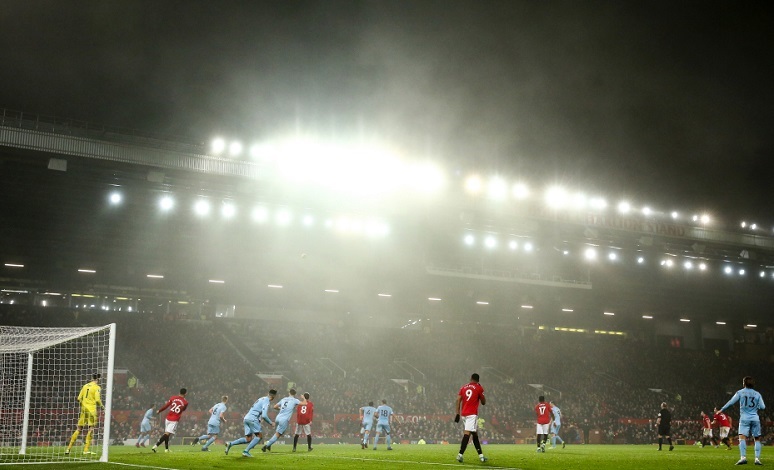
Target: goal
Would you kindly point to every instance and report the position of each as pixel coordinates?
(42, 371)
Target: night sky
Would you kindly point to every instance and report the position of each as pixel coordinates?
(669, 103)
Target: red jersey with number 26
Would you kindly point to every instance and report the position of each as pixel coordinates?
(543, 412)
(176, 405)
(305, 413)
(471, 394)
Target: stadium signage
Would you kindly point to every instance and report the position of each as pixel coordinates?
(635, 225)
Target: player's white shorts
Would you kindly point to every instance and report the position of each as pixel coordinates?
(213, 428)
(252, 426)
(707, 432)
(382, 428)
(305, 429)
(170, 426)
(724, 430)
(542, 428)
(145, 426)
(471, 423)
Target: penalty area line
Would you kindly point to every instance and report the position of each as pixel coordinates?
(403, 462)
(141, 466)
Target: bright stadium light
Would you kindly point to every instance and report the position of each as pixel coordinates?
(228, 210)
(567, 310)
(675, 215)
(528, 247)
(469, 239)
(648, 317)
(624, 207)
(235, 149)
(685, 320)
(695, 218)
(490, 242)
(308, 220)
(14, 265)
(260, 214)
(598, 203)
(742, 272)
(556, 197)
(497, 189)
(590, 254)
(728, 270)
(527, 307)
(640, 260)
(762, 274)
(513, 244)
(753, 226)
(669, 263)
(473, 184)
(520, 191)
(646, 211)
(609, 314)
(218, 145)
(482, 302)
(434, 299)
(202, 207)
(702, 266)
(154, 276)
(612, 256)
(744, 224)
(705, 219)
(115, 198)
(720, 323)
(166, 203)
(688, 265)
(579, 201)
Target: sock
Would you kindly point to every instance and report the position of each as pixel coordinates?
(87, 441)
(272, 440)
(464, 444)
(166, 441)
(743, 448)
(669, 440)
(476, 443)
(557, 438)
(553, 441)
(241, 440)
(309, 441)
(757, 449)
(660, 441)
(252, 444)
(389, 440)
(202, 437)
(209, 441)
(73, 438)
(376, 439)
(365, 439)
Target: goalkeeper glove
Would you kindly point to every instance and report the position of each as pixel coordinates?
(457, 418)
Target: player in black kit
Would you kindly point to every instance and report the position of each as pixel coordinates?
(664, 422)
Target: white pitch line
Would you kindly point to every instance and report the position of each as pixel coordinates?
(403, 462)
(141, 466)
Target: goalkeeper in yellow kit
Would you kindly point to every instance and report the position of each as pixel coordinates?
(89, 398)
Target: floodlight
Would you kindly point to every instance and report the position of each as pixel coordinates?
(702, 266)
(235, 149)
(482, 302)
(565, 252)
(332, 291)
(685, 320)
(728, 270)
(202, 207)
(688, 265)
(753, 226)
(705, 219)
(610, 314)
(624, 207)
(646, 211)
(612, 256)
(743, 224)
(166, 203)
(647, 317)
(741, 272)
(763, 274)
(695, 218)
(720, 323)
(497, 189)
(384, 295)
(434, 299)
(260, 214)
(490, 242)
(14, 265)
(669, 263)
(274, 286)
(751, 325)
(567, 310)
(469, 239)
(426, 178)
(526, 306)
(556, 197)
(218, 145)
(590, 254)
(228, 210)
(598, 203)
(520, 191)
(513, 244)
(154, 276)
(86, 271)
(675, 215)
(579, 201)
(115, 197)
(217, 281)
(308, 220)
(528, 247)
(640, 260)
(473, 184)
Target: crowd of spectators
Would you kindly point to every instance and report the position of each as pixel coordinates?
(608, 387)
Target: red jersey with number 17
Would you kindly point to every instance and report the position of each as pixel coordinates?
(543, 412)
(305, 413)
(471, 394)
(176, 404)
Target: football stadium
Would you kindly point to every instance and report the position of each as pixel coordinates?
(386, 235)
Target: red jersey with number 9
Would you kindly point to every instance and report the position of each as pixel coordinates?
(471, 394)
(176, 405)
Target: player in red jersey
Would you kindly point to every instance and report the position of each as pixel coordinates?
(544, 415)
(467, 406)
(304, 416)
(724, 422)
(176, 404)
(706, 430)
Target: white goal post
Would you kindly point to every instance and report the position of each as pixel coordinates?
(42, 372)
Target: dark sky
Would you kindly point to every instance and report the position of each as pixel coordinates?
(669, 103)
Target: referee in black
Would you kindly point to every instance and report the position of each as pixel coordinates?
(664, 422)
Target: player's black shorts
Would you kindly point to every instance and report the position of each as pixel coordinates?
(663, 431)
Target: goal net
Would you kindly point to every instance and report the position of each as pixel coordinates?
(42, 372)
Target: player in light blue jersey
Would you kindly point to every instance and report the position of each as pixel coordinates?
(383, 422)
(287, 407)
(213, 425)
(367, 414)
(750, 401)
(252, 421)
(145, 426)
(556, 425)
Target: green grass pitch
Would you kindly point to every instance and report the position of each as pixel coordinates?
(595, 457)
